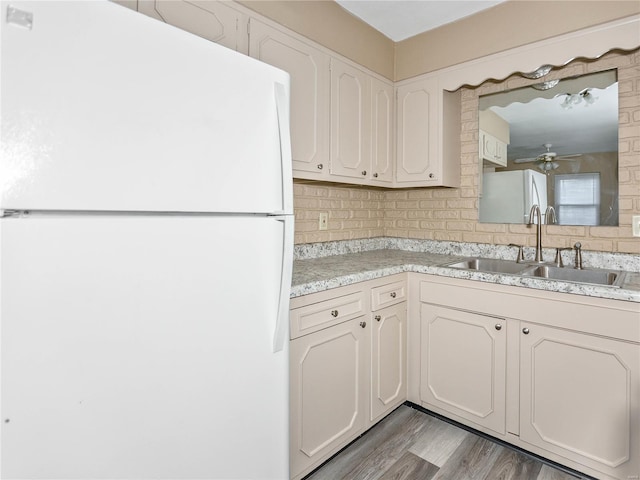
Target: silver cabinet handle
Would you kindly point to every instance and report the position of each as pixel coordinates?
(393, 294)
(525, 331)
(432, 175)
(364, 173)
(363, 324)
(334, 313)
(378, 318)
(375, 175)
(319, 166)
(498, 326)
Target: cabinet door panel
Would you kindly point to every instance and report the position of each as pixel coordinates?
(388, 360)
(463, 364)
(214, 21)
(417, 132)
(383, 113)
(309, 71)
(328, 391)
(350, 121)
(580, 397)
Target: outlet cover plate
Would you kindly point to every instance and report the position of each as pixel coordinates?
(635, 223)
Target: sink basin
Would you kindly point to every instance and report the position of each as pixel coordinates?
(597, 277)
(492, 265)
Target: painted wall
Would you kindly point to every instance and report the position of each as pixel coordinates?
(328, 24)
(507, 25)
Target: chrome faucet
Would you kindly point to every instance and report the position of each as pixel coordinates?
(535, 210)
(550, 215)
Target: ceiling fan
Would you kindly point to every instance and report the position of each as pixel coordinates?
(547, 160)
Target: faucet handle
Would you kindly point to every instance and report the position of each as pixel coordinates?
(558, 260)
(520, 257)
(578, 248)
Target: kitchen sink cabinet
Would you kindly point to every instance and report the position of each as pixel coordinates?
(552, 373)
(463, 364)
(347, 366)
(215, 21)
(579, 397)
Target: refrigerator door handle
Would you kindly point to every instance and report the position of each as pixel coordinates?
(282, 320)
(282, 108)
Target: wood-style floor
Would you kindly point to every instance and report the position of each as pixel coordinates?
(412, 445)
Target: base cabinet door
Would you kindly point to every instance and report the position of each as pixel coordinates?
(579, 397)
(388, 360)
(328, 394)
(463, 365)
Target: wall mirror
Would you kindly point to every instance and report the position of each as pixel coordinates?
(554, 144)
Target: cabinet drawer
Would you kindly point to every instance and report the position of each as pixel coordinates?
(314, 317)
(388, 294)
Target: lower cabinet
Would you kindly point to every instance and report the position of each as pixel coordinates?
(348, 362)
(579, 398)
(555, 374)
(328, 394)
(463, 364)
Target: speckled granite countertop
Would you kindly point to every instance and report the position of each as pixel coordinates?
(315, 272)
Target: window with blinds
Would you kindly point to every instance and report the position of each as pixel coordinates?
(578, 198)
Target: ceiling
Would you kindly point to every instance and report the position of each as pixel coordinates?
(401, 19)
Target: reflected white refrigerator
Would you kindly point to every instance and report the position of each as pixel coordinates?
(507, 197)
(146, 239)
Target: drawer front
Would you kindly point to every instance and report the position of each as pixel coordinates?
(314, 317)
(389, 294)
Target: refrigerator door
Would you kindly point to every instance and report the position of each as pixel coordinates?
(535, 192)
(503, 198)
(106, 109)
(137, 347)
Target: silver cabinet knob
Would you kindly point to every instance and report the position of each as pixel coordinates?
(498, 326)
(364, 173)
(319, 166)
(525, 331)
(378, 318)
(393, 294)
(334, 313)
(363, 324)
(432, 175)
(375, 175)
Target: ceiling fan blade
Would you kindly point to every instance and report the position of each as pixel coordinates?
(526, 160)
(573, 155)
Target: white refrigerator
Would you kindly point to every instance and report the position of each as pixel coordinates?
(146, 237)
(507, 197)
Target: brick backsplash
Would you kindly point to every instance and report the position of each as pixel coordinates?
(450, 214)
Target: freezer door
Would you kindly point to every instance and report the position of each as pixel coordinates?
(142, 348)
(106, 109)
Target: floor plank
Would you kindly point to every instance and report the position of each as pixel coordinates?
(410, 467)
(412, 445)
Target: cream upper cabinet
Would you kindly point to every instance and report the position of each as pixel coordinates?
(382, 131)
(579, 397)
(463, 364)
(492, 150)
(350, 121)
(215, 21)
(310, 86)
(417, 131)
(428, 134)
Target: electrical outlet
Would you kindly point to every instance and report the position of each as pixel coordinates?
(635, 225)
(323, 221)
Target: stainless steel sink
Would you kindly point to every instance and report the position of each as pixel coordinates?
(597, 277)
(611, 278)
(492, 265)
